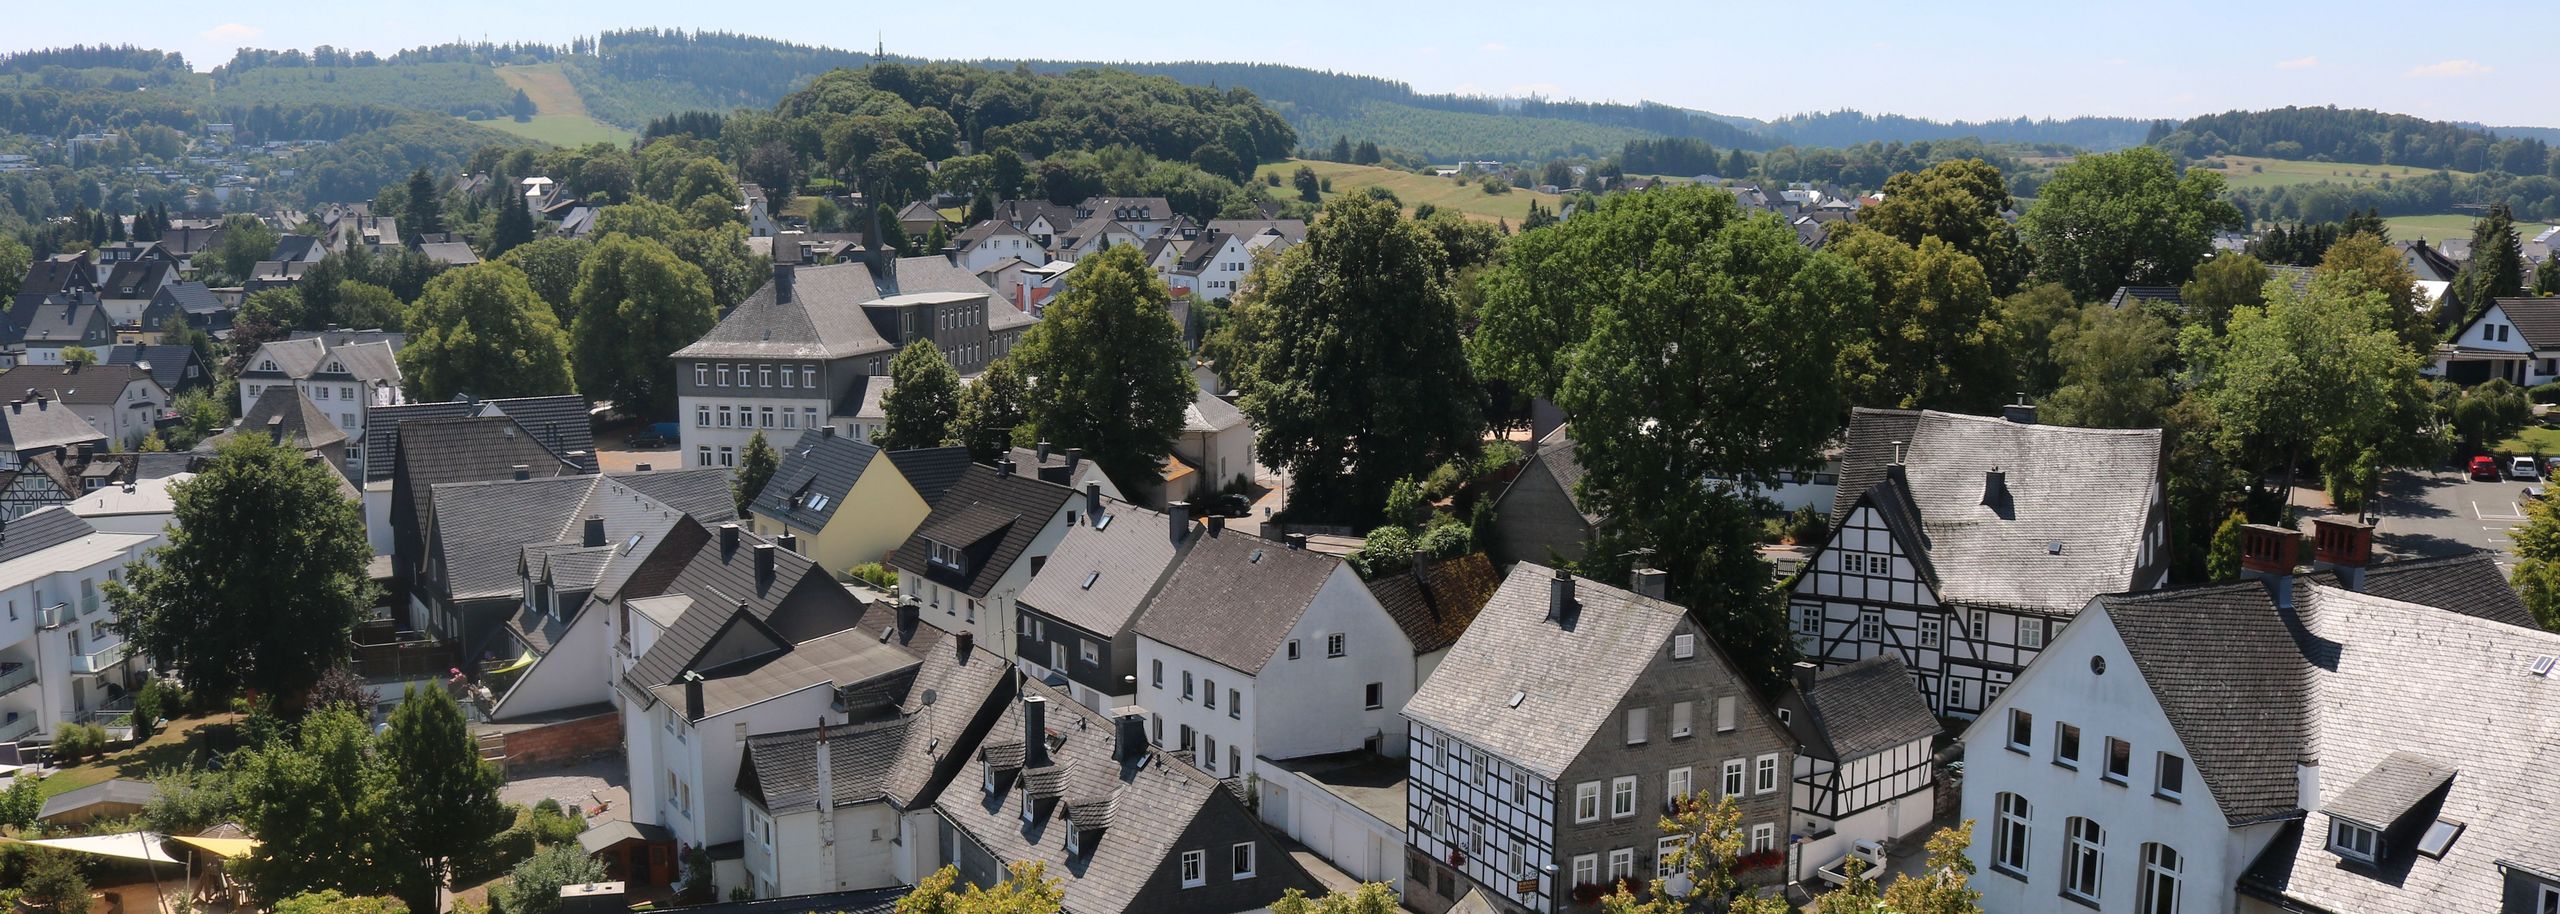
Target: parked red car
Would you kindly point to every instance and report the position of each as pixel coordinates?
(2484, 467)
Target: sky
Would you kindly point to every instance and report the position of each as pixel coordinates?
(1953, 59)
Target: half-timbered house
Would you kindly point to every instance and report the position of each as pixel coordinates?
(1964, 543)
(1863, 757)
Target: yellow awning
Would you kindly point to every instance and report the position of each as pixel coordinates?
(523, 660)
(228, 848)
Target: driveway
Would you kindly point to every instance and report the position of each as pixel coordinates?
(2442, 511)
(586, 785)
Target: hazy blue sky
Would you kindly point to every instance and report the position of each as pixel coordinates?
(1945, 60)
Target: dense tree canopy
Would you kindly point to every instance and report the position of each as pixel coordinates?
(637, 303)
(1113, 377)
(923, 399)
(2124, 218)
(1960, 203)
(483, 331)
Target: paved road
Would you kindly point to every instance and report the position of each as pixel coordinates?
(2435, 512)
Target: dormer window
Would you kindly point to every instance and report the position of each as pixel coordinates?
(337, 368)
(267, 365)
(945, 556)
(2354, 841)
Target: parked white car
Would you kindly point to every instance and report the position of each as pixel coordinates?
(2524, 468)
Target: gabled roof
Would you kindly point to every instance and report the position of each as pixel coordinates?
(1021, 213)
(117, 791)
(815, 475)
(1435, 604)
(950, 692)
(1556, 453)
(40, 530)
(304, 426)
(780, 770)
(167, 364)
(1207, 413)
(450, 253)
(725, 592)
(1290, 230)
(840, 660)
(2144, 295)
(1236, 597)
(932, 471)
(57, 318)
(1534, 691)
(137, 278)
(438, 451)
(484, 527)
(1125, 209)
(559, 423)
(2222, 662)
(44, 424)
(78, 385)
(1863, 708)
(2468, 583)
(825, 317)
(980, 505)
(2536, 319)
(1133, 814)
(1105, 568)
(2067, 522)
(192, 297)
(2390, 789)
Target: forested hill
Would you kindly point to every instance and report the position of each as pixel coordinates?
(2359, 135)
(1849, 128)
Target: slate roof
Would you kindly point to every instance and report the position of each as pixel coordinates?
(2468, 583)
(815, 475)
(1435, 607)
(28, 426)
(2089, 492)
(439, 451)
(2144, 295)
(559, 422)
(1863, 708)
(137, 278)
(1292, 230)
(449, 253)
(40, 530)
(2372, 662)
(1101, 576)
(2536, 319)
(780, 770)
(168, 364)
(1146, 806)
(1556, 453)
(1125, 209)
(932, 471)
(718, 580)
(83, 385)
(303, 424)
(1021, 213)
(842, 659)
(57, 318)
(483, 527)
(825, 317)
(1236, 597)
(2222, 662)
(1207, 413)
(60, 273)
(1569, 677)
(2390, 790)
(981, 504)
(194, 297)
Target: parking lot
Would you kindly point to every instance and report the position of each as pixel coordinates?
(2442, 511)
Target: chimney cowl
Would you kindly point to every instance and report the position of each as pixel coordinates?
(522, 472)
(1296, 541)
(2021, 412)
(1178, 520)
(1004, 465)
(1042, 449)
(787, 540)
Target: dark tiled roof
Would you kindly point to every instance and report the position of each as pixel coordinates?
(83, 385)
(2468, 583)
(1435, 607)
(815, 475)
(1151, 802)
(1864, 708)
(301, 420)
(825, 317)
(560, 423)
(2536, 319)
(839, 660)
(718, 579)
(168, 363)
(1236, 597)
(41, 530)
(932, 471)
(1568, 678)
(193, 297)
(1100, 577)
(1557, 453)
(439, 451)
(136, 278)
(27, 426)
(2222, 662)
(780, 771)
(982, 503)
(60, 273)
(57, 318)
(2388, 791)
(483, 528)
(2143, 295)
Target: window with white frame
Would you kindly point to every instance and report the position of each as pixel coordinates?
(2066, 744)
(2119, 761)
(1677, 785)
(2084, 854)
(1209, 696)
(764, 376)
(1981, 625)
(1732, 778)
(1240, 860)
(1725, 708)
(1870, 626)
(1188, 687)
(1853, 562)
(2547, 900)
(1682, 715)
(1765, 776)
(1586, 869)
(1333, 645)
(701, 374)
(1764, 837)
(1235, 704)
(2158, 893)
(1195, 869)
(2009, 832)
(809, 376)
(1293, 649)
(2353, 841)
(1932, 632)
(1155, 673)
(1622, 863)
(1684, 646)
(1209, 753)
(2031, 633)
(2022, 730)
(722, 372)
(1622, 797)
(1664, 850)
(1809, 620)
(2170, 783)
(1586, 801)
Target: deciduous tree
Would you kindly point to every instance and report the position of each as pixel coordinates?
(2124, 218)
(483, 331)
(923, 399)
(1358, 376)
(2362, 262)
(2114, 370)
(318, 807)
(441, 797)
(994, 413)
(1025, 889)
(755, 468)
(637, 303)
(1959, 202)
(550, 266)
(261, 581)
(2318, 375)
(2222, 285)
(1113, 377)
(1937, 341)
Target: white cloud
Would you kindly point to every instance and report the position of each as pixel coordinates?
(2455, 67)
(2298, 63)
(1495, 47)
(233, 31)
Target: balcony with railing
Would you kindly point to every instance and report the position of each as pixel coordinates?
(98, 661)
(18, 725)
(15, 675)
(52, 617)
(88, 604)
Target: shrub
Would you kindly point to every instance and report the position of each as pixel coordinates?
(1408, 504)
(2545, 393)
(1493, 185)
(549, 825)
(509, 848)
(331, 902)
(1389, 548)
(1498, 456)
(189, 800)
(1446, 540)
(533, 886)
(876, 575)
(1808, 527)
(151, 704)
(22, 802)
(73, 742)
(53, 881)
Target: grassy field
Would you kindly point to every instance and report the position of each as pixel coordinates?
(1415, 190)
(561, 117)
(2446, 225)
(2248, 172)
(2539, 440)
(184, 742)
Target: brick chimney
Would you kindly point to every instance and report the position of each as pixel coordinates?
(2268, 554)
(2344, 546)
